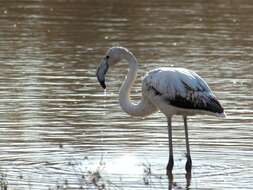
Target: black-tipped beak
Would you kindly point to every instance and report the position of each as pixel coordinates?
(101, 72)
(102, 83)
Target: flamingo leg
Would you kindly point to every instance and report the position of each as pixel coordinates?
(171, 160)
(188, 165)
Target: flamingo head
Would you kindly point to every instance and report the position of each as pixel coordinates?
(113, 56)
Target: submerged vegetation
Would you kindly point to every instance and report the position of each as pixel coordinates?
(3, 182)
(87, 178)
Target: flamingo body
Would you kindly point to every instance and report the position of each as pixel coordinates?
(173, 91)
(179, 91)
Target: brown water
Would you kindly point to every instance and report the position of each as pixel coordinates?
(58, 129)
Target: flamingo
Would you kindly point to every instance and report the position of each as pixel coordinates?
(173, 91)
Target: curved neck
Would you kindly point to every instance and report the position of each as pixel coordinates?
(144, 107)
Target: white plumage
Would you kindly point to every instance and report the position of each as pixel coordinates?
(179, 91)
(173, 91)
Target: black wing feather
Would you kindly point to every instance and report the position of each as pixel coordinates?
(211, 104)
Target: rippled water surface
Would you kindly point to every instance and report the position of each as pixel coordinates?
(60, 130)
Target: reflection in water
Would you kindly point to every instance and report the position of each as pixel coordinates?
(55, 120)
(125, 164)
(174, 185)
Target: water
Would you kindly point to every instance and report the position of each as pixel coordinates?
(60, 130)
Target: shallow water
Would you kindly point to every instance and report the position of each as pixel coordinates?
(59, 129)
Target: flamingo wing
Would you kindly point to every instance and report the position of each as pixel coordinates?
(182, 88)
